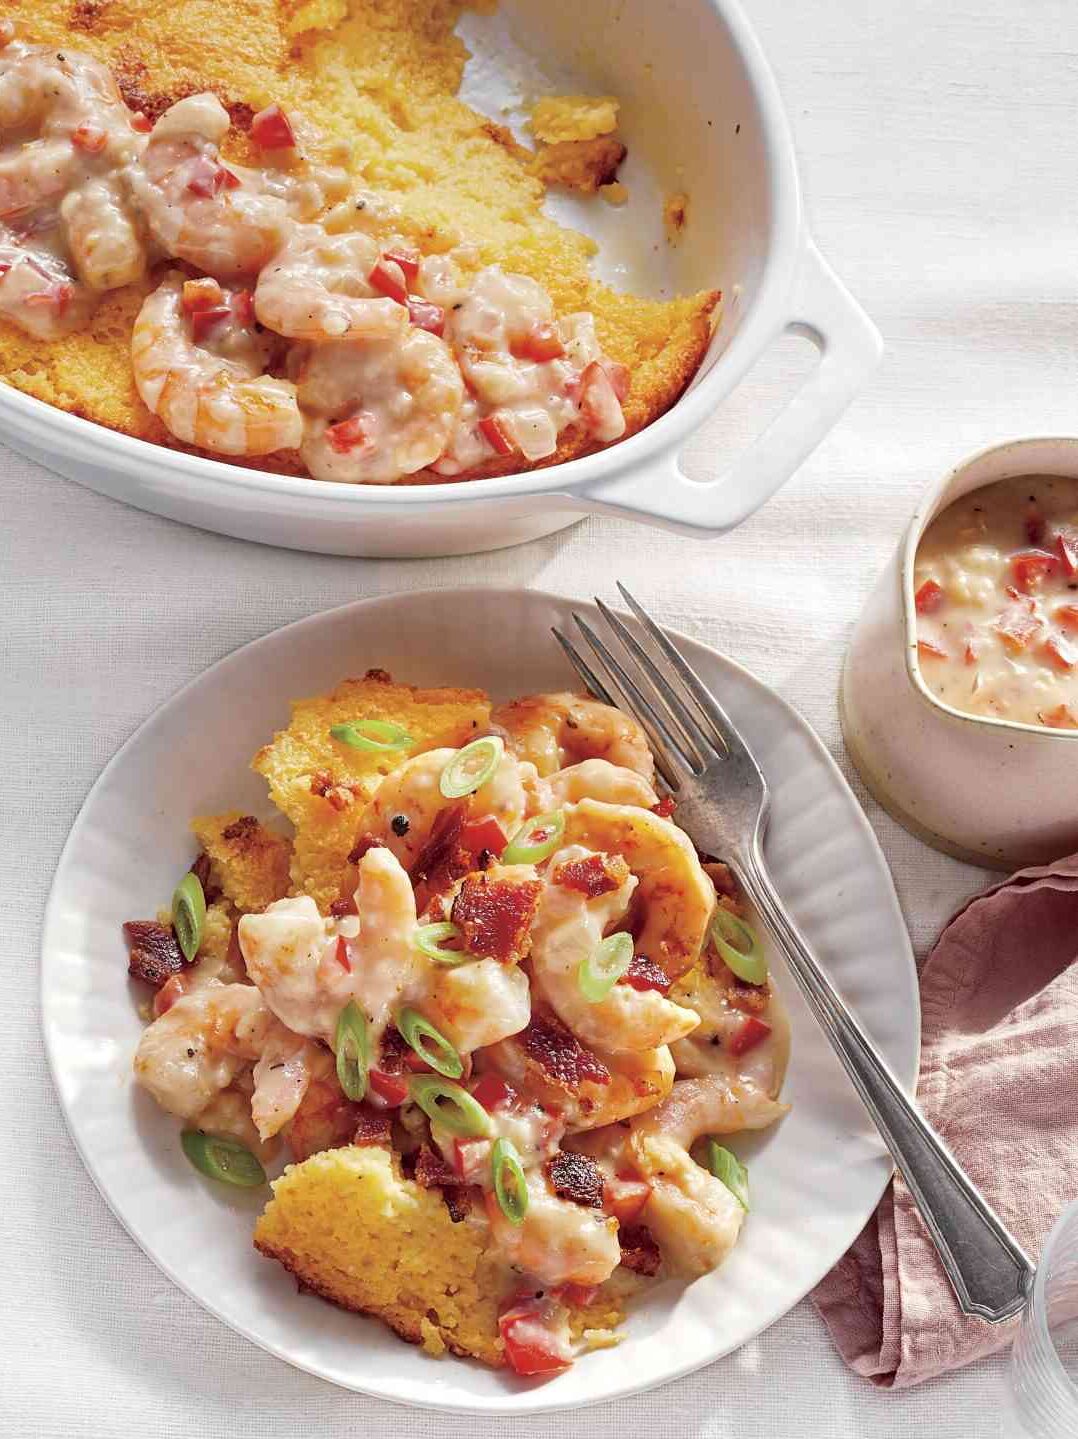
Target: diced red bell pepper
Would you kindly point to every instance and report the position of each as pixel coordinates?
(89, 138)
(467, 1156)
(243, 307)
(416, 1063)
(1067, 616)
(1067, 548)
(1060, 653)
(579, 1296)
(625, 1197)
(1019, 625)
(56, 296)
(1061, 717)
(141, 122)
(929, 650)
(752, 1032)
(531, 1346)
(347, 435)
(407, 259)
(928, 598)
(172, 990)
(425, 315)
(342, 954)
(391, 1088)
(203, 321)
(492, 1092)
(484, 833)
(1031, 568)
(271, 129)
(542, 342)
(203, 294)
(666, 806)
(495, 434)
(387, 278)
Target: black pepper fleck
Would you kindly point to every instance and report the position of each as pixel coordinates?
(400, 825)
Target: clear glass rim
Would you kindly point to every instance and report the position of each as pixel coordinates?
(1039, 1315)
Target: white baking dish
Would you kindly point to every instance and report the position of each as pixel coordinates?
(700, 112)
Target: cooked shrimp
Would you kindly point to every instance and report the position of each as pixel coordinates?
(200, 1045)
(478, 1003)
(102, 236)
(378, 411)
(596, 779)
(559, 1242)
(567, 931)
(316, 288)
(230, 1113)
(295, 961)
(694, 1217)
(38, 294)
(413, 791)
(217, 217)
(555, 730)
(675, 897)
(218, 401)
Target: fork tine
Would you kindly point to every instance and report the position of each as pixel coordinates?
(638, 704)
(697, 742)
(722, 727)
(601, 692)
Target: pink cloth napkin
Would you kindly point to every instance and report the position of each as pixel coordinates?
(999, 1081)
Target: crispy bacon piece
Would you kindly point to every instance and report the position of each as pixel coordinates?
(666, 807)
(360, 848)
(340, 907)
(496, 916)
(576, 1177)
(644, 973)
(201, 870)
(373, 1126)
(639, 1252)
(443, 859)
(340, 796)
(240, 828)
(155, 955)
(560, 1055)
(432, 1172)
(593, 875)
(751, 998)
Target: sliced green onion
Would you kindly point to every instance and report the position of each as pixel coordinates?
(353, 1053)
(223, 1159)
(739, 946)
(429, 939)
(510, 1186)
(376, 735)
(189, 914)
(536, 840)
(598, 974)
(730, 1170)
(471, 767)
(430, 1044)
(450, 1106)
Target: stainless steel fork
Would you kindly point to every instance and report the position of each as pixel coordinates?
(722, 804)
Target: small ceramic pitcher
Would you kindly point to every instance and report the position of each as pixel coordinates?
(989, 791)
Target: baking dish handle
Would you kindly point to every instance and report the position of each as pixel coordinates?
(821, 310)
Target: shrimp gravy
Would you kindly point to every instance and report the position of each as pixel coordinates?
(996, 591)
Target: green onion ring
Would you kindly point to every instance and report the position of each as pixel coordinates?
(510, 1185)
(523, 848)
(471, 767)
(598, 974)
(450, 1106)
(739, 946)
(353, 1056)
(189, 914)
(429, 1043)
(221, 1158)
(730, 1170)
(429, 939)
(375, 735)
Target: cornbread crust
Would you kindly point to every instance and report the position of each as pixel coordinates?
(352, 1229)
(248, 862)
(383, 75)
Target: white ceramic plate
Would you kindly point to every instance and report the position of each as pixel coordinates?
(815, 1178)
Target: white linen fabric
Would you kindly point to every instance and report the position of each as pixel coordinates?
(939, 154)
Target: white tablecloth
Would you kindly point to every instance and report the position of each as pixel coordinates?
(939, 153)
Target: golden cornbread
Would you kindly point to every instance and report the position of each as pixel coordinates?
(382, 75)
(248, 862)
(573, 117)
(323, 785)
(351, 1228)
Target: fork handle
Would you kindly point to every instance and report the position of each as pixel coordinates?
(989, 1271)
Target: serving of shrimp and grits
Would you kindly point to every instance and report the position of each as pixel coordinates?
(284, 311)
(487, 1004)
